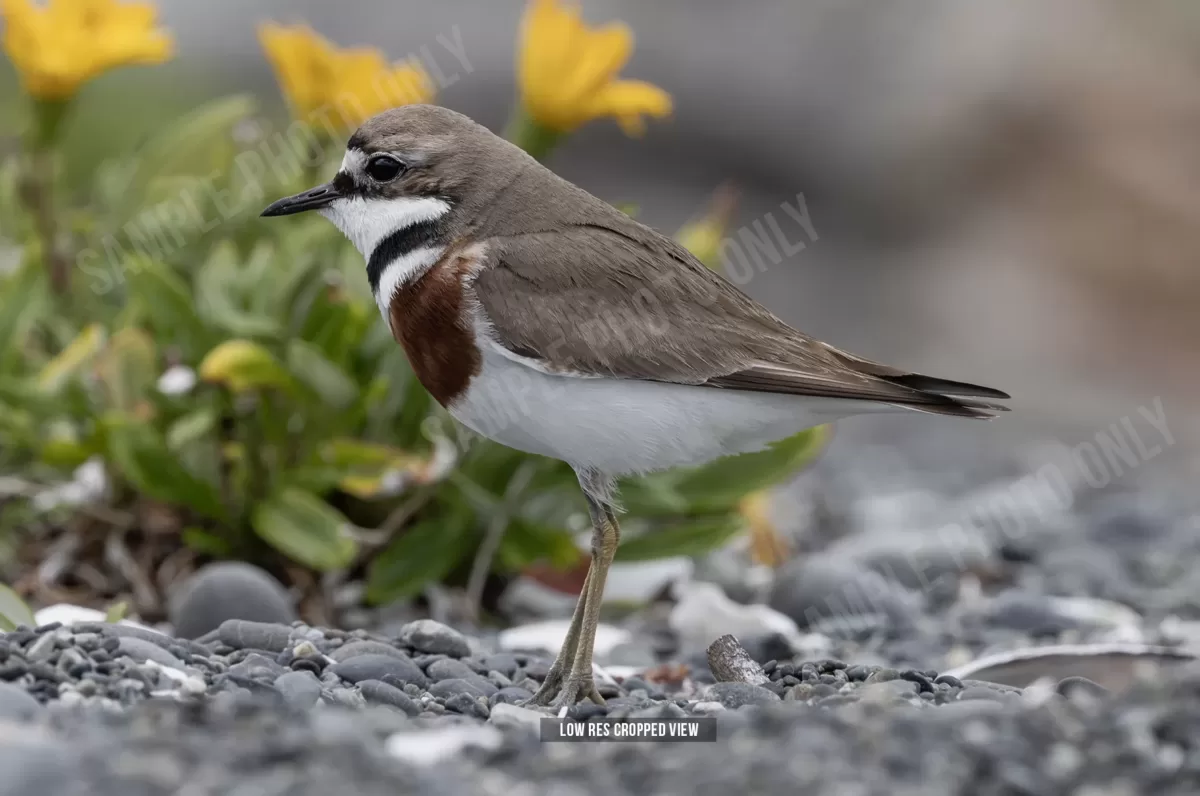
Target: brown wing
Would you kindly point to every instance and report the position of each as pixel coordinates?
(630, 304)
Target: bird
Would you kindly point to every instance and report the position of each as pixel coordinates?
(547, 320)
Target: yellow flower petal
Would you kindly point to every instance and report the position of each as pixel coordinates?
(629, 101)
(354, 83)
(58, 45)
(567, 71)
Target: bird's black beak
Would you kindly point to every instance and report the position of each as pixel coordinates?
(312, 199)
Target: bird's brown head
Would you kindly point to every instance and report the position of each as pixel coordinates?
(408, 165)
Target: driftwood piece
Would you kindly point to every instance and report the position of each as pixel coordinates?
(730, 663)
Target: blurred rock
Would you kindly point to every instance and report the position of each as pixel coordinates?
(703, 613)
(838, 597)
(548, 637)
(228, 590)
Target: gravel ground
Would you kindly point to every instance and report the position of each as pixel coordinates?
(266, 709)
(859, 700)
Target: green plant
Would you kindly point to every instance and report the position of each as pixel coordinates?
(235, 376)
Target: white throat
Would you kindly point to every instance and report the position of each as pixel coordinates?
(366, 222)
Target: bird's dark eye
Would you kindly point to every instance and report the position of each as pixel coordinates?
(384, 168)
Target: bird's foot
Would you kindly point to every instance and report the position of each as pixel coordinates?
(558, 691)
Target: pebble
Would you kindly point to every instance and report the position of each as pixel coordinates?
(228, 590)
(300, 690)
(141, 650)
(243, 634)
(258, 667)
(382, 693)
(735, 695)
(1070, 686)
(388, 668)
(467, 705)
(981, 692)
(455, 686)
(511, 696)
(429, 636)
(513, 716)
(16, 704)
(356, 648)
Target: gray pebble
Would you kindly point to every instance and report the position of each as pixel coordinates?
(982, 692)
(141, 650)
(1070, 686)
(43, 648)
(457, 670)
(257, 667)
(242, 634)
(427, 635)
(347, 697)
(734, 695)
(118, 631)
(883, 676)
(356, 648)
(382, 693)
(16, 704)
(390, 669)
(448, 668)
(228, 590)
(510, 696)
(453, 687)
(467, 706)
(300, 690)
(887, 690)
(503, 662)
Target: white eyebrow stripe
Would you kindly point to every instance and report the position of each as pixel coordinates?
(353, 161)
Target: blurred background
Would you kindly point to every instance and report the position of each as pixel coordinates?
(1006, 194)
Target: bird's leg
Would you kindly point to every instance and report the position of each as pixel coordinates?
(566, 654)
(577, 683)
(606, 535)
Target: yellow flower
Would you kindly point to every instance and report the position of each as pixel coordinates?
(355, 83)
(58, 45)
(767, 545)
(242, 366)
(703, 236)
(568, 72)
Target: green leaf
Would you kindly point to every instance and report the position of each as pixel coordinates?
(317, 479)
(116, 612)
(142, 457)
(242, 365)
(654, 495)
(128, 369)
(13, 610)
(687, 538)
(207, 543)
(168, 302)
(328, 381)
(219, 303)
(23, 300)
(185, 147)
(720, 485)
(528, 542)
(306, 529)
(190, 428)
(71, 360)
(424, 553)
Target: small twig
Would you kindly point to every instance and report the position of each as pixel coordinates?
(482, 564)
(117, 554)
(730, 663)
(35, 191)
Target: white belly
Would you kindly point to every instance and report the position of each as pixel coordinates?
(623, 426)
